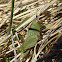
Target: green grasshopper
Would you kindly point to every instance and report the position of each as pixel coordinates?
(32, 36)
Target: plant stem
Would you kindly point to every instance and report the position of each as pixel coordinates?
(11, 16)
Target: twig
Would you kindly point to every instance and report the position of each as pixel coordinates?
(15, 57)
(12, 50)
(27, 12)
(5, 39)
(4, 21)
(13, 44)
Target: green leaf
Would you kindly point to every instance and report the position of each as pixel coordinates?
(20, 37)
(7, 60)
(15, 39)
(19, 19)
(25, 10)
(32, 36)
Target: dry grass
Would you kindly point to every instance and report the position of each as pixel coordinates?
(48, 14)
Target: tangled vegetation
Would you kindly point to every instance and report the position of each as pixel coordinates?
(31, 31)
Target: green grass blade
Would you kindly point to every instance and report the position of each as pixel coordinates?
(11, 16)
